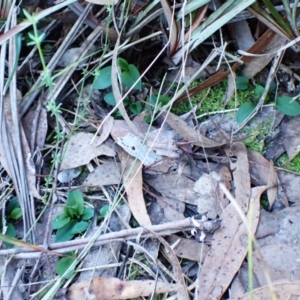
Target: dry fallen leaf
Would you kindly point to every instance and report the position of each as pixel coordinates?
(189, 133)
(228, 250)
(240, 169)
(100, 288)
(107, 173)
(280, 291)
(206, 187)
(79, 150)
(133, 144)
(173, 209)
(263, 173)
(133, 183)
(174, 186)
(106, 130)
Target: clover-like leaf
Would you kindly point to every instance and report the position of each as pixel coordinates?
(60, 221)
(288, 106)
(103, 79)
(244, 111)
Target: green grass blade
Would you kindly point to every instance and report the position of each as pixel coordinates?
(283, 25)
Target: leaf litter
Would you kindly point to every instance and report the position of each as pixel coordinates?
(138, 175)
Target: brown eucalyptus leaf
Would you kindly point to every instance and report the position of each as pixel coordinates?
(241, 177)
(100, 288)
(228, 250)
(133, 183)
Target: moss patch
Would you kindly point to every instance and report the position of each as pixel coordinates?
(293, 165)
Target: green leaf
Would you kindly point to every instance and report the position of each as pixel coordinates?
(242, 83)
(110, 99)
(162, 100)
(103, 79)
(12, 204)
(129, 77)
(88, 213)
(136, 107)
(75, 200)
(64, 263)
(65, 233)
(80, 227)
(16, 213)
(288, 106)
(123, 64)
(244, 111)
(104, 211)
(11, 232)
(60, 221)
(259, 90)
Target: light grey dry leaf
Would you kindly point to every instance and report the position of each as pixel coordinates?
(79, 151)
(107, 173)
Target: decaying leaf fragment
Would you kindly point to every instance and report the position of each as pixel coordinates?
(101, 288)
(206, 187)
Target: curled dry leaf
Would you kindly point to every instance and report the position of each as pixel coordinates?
(80, 151)
(106, 130)
(113, 288)
(263, 173)
(133, 183)
(107, 173)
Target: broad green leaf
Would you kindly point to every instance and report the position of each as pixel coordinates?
(288, 106)
(110, 99)
(259, 90)
(12, 204)
(123, 64)
(16, 213)
(242, 83)
(11, 232)
(244, 111)
(80, 227)
(60, 221)
(129, 77)
(64, 263)
(103, 79)
(136, 107)
(75, 200)
(65, 233)
(88, 213)
(104, 210)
